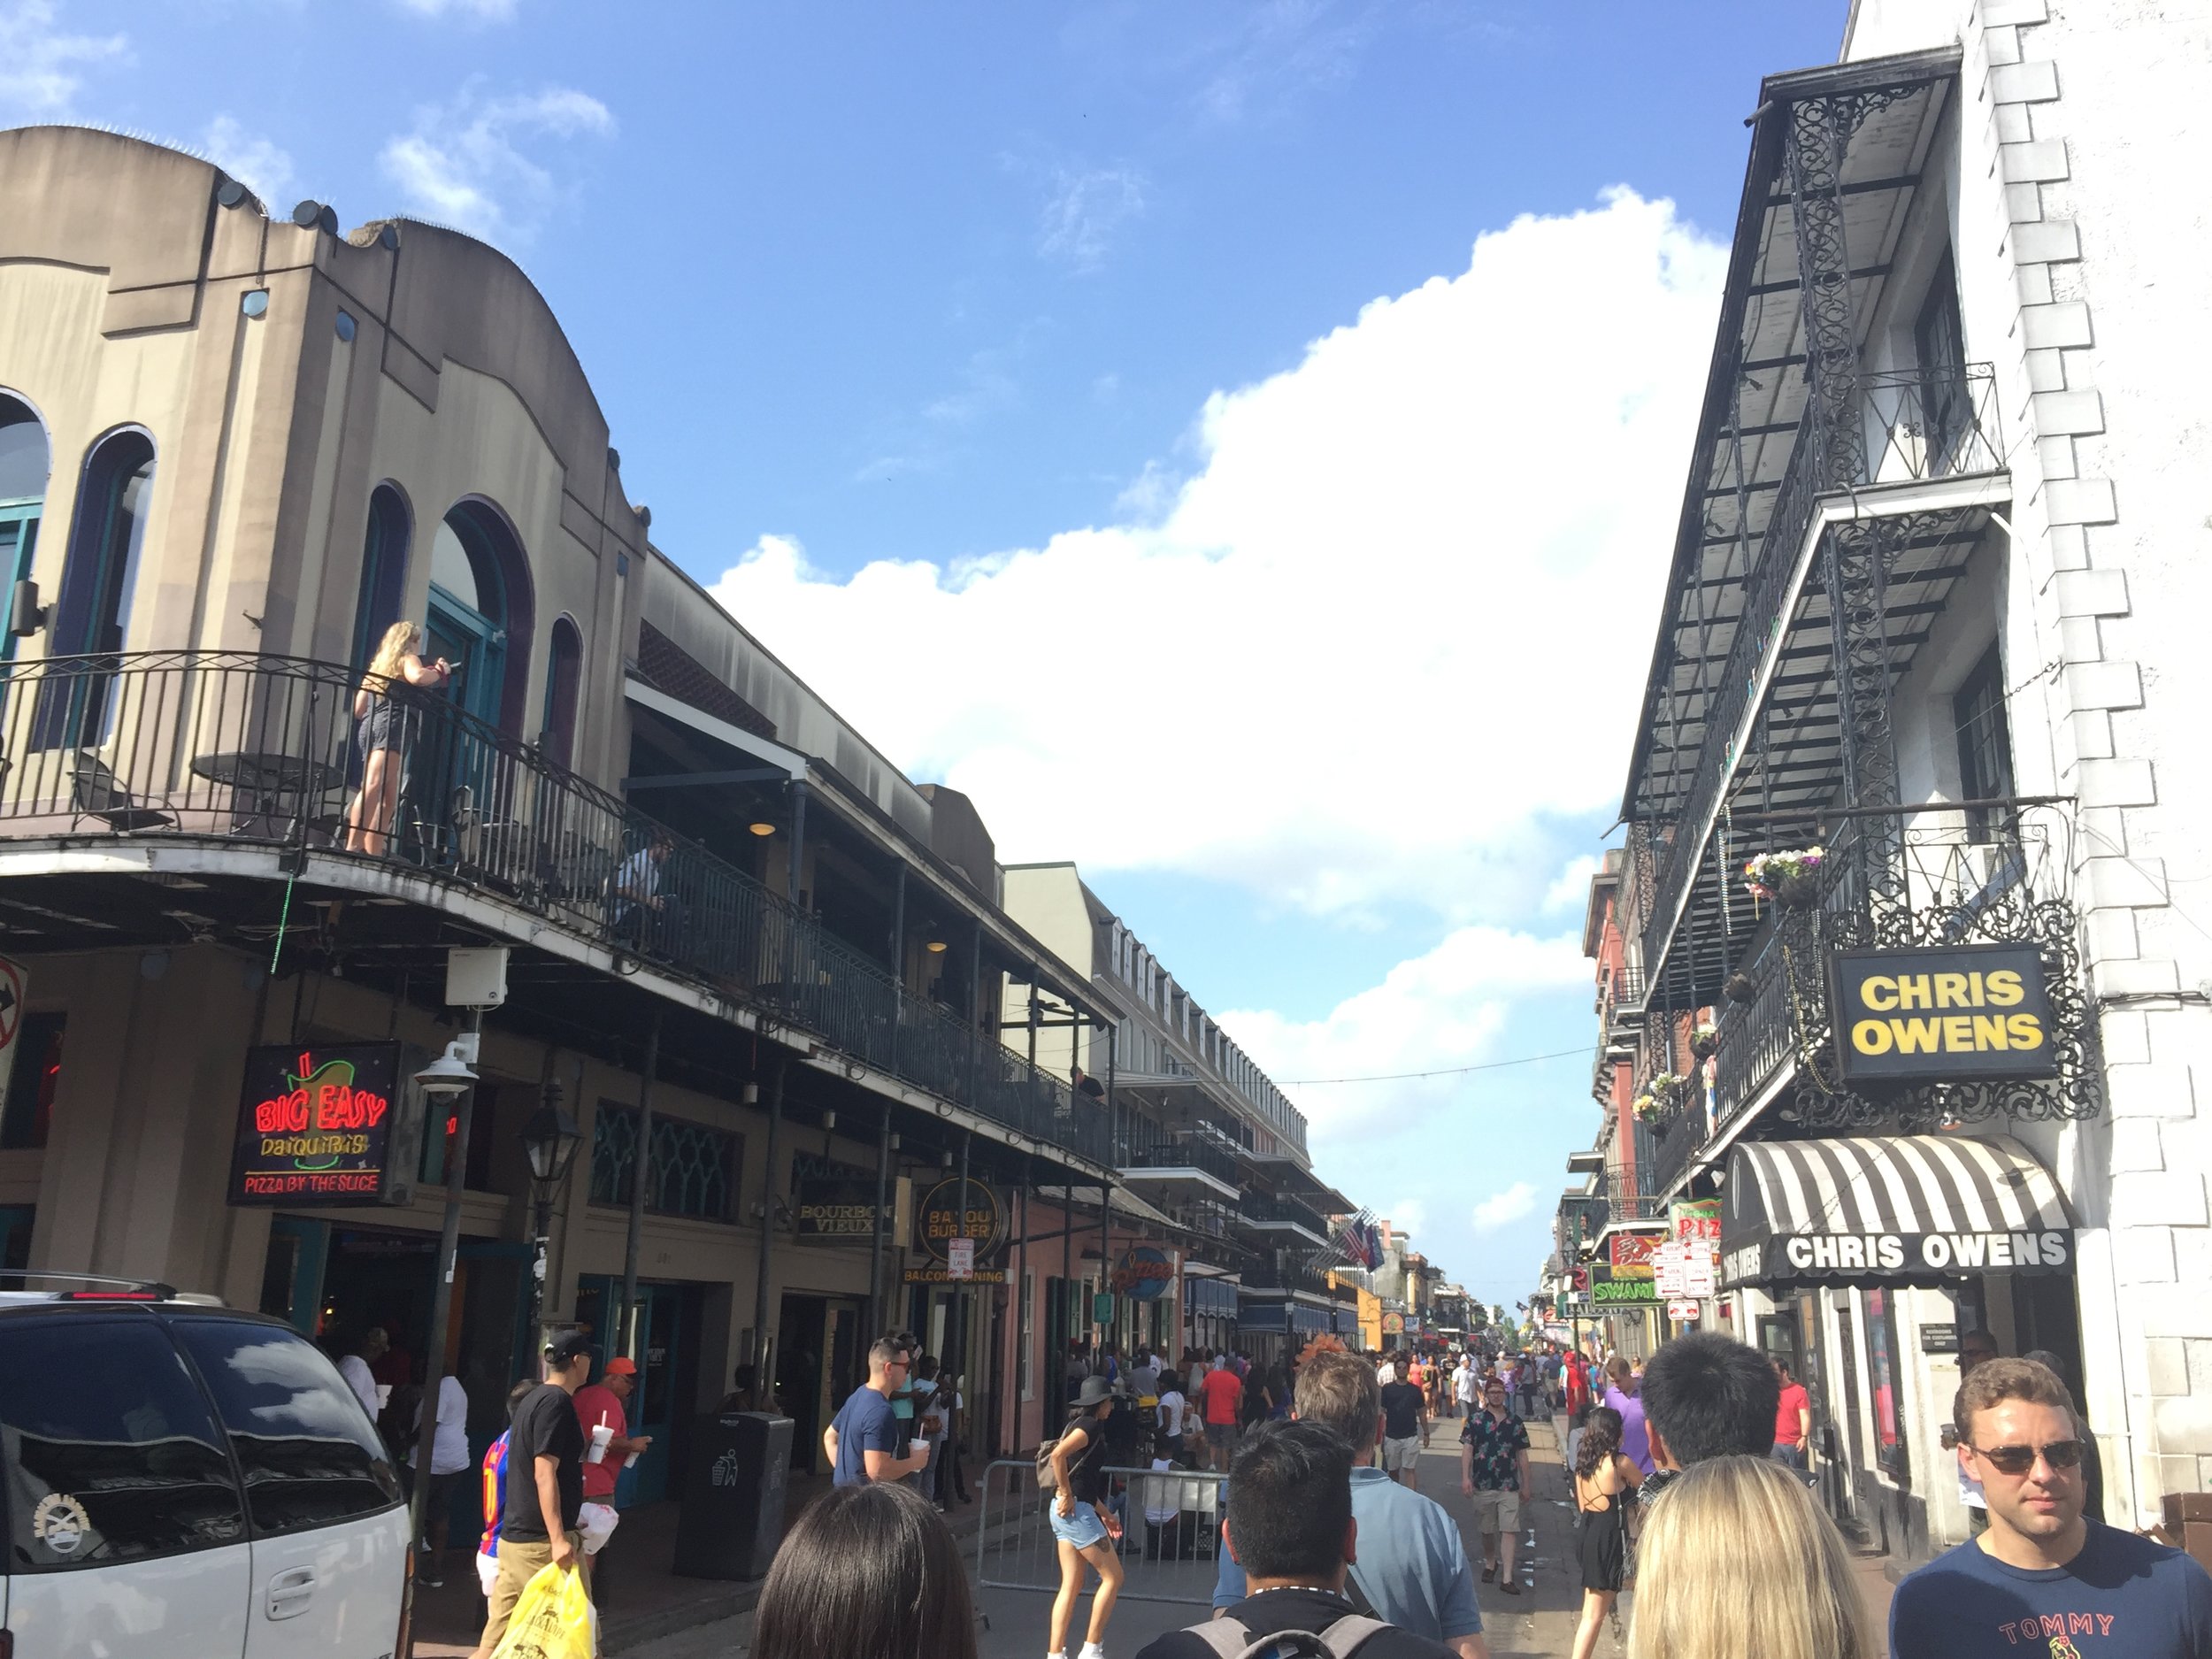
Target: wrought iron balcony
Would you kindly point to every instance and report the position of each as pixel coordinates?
(1918, 876)
(1265, 1212)
(249, 750)
(1916, 427)
(1187, 1153)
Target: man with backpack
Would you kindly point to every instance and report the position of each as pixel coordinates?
(1290, 1526)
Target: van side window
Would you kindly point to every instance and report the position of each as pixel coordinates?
(110, 1452)
(309, 1455)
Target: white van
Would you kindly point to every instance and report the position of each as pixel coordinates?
(186, 1480)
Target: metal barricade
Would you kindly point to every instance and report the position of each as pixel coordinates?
(1171, 1531)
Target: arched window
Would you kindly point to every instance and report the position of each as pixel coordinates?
(565, 667)
(384, 571)
(93, 608)
(480, 612)
(24, 459)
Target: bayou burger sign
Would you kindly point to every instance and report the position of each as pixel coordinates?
(1942, 1014)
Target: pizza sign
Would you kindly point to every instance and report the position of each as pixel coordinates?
(315, 1125)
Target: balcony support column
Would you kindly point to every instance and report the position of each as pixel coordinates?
(1854, 567)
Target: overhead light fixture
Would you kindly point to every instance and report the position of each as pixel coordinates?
(762, 829)
(447, 1075)
(936, 946)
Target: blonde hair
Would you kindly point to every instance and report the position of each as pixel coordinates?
(398, 641)
(1736, 1559)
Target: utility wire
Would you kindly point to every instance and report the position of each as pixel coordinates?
(1449, 1071)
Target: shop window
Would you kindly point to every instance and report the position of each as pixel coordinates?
(104, 1411)
(1985, 737)
(695, 1169)
(384, 571)
(309, 1456)
(564, 673)
(1885, 1375)
(27, 1118)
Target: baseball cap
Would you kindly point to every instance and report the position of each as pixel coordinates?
(621, 1365)
(564, 1349)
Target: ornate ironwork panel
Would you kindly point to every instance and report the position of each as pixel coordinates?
(1854, 567)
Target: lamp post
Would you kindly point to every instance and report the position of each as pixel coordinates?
(450, 1077)
(550, 1141)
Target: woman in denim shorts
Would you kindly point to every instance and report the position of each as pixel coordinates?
(1085, 1530)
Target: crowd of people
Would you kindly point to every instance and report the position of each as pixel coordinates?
(1688, 1477)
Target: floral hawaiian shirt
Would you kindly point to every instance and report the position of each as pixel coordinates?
(1495, 1441)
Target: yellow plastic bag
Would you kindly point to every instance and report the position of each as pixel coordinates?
(553, 1619)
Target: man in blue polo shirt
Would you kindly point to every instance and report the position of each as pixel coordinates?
(1412, 1567)
(863, 1442)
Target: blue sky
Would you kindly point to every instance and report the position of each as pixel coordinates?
(1222, 438)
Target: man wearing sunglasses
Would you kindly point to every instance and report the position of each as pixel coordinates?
(863, 1443)
(2044, 1579)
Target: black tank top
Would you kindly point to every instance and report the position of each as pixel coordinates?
(1086, 1476)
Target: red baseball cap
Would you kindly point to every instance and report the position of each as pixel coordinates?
(621, 1365)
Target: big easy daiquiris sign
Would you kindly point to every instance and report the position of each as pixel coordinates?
(317, 1124)
(1942, 1013)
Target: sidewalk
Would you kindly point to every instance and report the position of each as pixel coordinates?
(646, 1600)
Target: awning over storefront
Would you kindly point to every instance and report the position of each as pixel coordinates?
(1889, 1209)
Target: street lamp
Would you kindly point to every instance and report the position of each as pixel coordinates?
(550, 1140)
(449, 1074)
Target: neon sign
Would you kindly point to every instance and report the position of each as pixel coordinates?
(315, 1125)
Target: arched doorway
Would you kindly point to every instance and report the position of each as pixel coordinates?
(25, 459)
(467, 623)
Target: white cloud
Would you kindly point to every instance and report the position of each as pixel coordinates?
(1571, 889)
(465, 164)
(1084, 211)
(1409, 1215)
(1348, 659)
(474, 11)
(40, 64)
(1444, 1009)
(1500, 1209)
(265, 169)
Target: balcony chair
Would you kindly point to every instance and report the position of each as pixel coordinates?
(94, 792)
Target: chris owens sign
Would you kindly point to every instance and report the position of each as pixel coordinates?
(1846, 1255)
(315, 1125)
(1949, 1013)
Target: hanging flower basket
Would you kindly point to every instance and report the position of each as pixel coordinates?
(1648, 1109)
(1791, 879)
(1740, 987)
(1703, 1041)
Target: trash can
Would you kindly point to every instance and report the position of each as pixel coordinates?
(734, 1475)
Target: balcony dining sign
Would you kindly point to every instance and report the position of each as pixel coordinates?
(316, 1126)
(1942, 1014)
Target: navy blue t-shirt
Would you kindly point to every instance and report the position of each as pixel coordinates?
(865, 1424)
(2122, 1596)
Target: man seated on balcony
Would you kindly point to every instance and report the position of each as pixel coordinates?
(647, 915)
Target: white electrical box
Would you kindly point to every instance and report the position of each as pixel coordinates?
(476, 977)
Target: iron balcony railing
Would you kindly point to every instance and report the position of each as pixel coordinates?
(1920, 424)
(1187, 1154)
(1951, 876)
(1258, 1208)
(263, 750)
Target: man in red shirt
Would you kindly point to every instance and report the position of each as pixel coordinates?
(603, 1401)
(1793, 1419)
(1220, 1397)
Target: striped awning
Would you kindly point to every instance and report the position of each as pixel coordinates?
(1889, 1209)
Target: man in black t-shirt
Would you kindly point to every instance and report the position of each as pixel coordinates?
(1405, 1414)
(1289, 1525)
(545, 1484)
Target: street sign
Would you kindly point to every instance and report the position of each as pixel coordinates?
(1697, 1279)
(960, 1258)
(1671, 1270)
(1685, 1311)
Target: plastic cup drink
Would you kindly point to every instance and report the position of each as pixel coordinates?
(600, 1435)
(383, 1395)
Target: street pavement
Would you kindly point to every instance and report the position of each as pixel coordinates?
(1538, 1621)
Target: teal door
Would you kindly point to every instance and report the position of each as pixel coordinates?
(653, 1407)
(476, 648)
(292, 1277)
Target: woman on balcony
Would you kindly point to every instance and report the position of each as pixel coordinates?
(384, 727)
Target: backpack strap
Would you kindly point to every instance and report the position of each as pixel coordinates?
(1350, 1633)
(1224, 1635)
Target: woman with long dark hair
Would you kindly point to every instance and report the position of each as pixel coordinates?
(1605, 1486)
(869, 1572)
